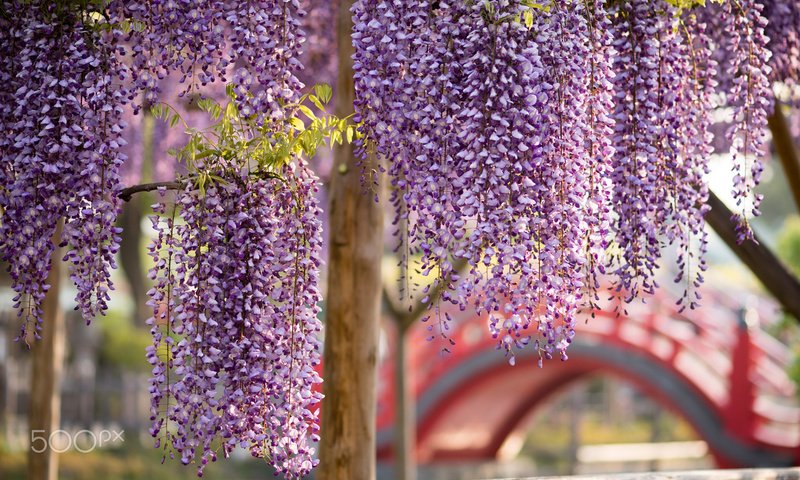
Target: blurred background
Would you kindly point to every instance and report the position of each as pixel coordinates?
(651, 390)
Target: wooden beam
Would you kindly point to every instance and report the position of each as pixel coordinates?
(786, 150)
(775, 277)
(405, 425)
(405, 422)
(352, 315)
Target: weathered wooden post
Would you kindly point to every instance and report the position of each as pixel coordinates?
(347, 449)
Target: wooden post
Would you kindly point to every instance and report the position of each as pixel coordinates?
(787, 151)
(44, 411)
(130, 255)
(577, 402)
(738, 414)
(405, 424)
(347, 449)
(130, 251)
(405, 405)
(777, 279)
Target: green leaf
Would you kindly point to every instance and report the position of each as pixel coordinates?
(324, 92)
(528, 19)
(307, 112)
(231, 111)
(206, 153)
(201, 183)
(315, 100)
(297, 124)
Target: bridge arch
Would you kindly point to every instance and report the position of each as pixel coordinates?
(663, 385)
(720, 375)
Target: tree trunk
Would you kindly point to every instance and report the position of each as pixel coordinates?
(347, 449)
(130, 256)
(130, 251)
(44, 412)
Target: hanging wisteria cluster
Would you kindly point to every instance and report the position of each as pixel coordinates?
(783, 31)
(255, 45)
(546, 144)
(61, 123)
(235, 320)
(235, 327)
(319, 53)
(237, 253)
(235, 302)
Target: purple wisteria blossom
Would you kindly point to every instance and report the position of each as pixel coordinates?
(237, 261)
(485, 124)
(551, 147)
(319, 57)
(750, 96)
(235, 311)
(61, 155)
(236, 334)
(783, 31)
(254, 45)
(548, 145)
(663, 79)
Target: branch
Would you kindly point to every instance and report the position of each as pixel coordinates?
(775, 277)
(127, 193)
(405, 319)
(787, 152)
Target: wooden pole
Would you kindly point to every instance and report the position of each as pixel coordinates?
(404, 415)
(130, 256)
(347, 448)
(786, 150)
(775, 277)
(405, 406)
(44, 410)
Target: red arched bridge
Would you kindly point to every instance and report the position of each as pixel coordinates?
(727, 379)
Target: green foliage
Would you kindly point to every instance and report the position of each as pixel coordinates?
(682, 5)
(123, 345)
(78, 5)
(256, 148)
(789, 243)
(93, 15)
(788, 249)
(532, 6)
